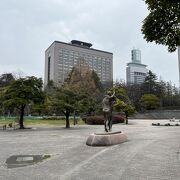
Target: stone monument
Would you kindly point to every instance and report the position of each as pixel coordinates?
(107, 138)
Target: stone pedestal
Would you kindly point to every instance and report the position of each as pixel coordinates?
(106, 139)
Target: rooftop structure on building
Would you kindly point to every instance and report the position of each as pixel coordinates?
(135, 71)
(61, 57)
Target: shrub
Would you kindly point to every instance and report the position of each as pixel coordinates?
(99, 120)
(118, 119)
(94, 120)
(150, 101)
(84, 118)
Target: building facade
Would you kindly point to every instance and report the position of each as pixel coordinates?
(135, 71)
(61, 57)
(136, 56)
(179, 65)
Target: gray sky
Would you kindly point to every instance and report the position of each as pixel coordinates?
(28, 27)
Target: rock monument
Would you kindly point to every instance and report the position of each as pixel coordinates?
(108, 138)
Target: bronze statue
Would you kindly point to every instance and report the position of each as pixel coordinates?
(108, 102)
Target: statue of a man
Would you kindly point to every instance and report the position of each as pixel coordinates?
(108, 102)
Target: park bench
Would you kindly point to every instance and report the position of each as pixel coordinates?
(9, 125)
(12, 125)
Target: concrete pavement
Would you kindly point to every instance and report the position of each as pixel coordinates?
(151, 153)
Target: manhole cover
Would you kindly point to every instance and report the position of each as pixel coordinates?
(24, 160)
(21, 159)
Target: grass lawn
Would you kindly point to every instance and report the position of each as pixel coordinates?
(40, 122)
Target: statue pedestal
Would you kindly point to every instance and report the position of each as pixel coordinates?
(106, 139)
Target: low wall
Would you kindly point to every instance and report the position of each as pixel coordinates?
(158, 114)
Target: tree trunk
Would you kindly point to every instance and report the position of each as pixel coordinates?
(22, 117)
(75, 121)
(126, 114)
(67, 119)
(126, 120)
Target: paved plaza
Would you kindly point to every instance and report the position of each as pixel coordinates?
(151, 153)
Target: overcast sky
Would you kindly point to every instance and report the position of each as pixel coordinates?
(28, 27)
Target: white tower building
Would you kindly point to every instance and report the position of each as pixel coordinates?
(135, 71)
(179, 64)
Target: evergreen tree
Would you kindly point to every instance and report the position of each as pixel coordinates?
(150, 84)
(6, 79)
(22, 92)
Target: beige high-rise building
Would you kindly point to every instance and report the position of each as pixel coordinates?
(61, 57)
